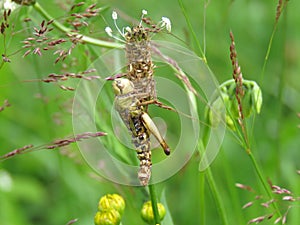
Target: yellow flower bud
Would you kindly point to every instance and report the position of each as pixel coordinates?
(111, 217)
(111, 201)
(147, 212)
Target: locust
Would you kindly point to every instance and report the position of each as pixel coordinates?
(139, 124)
(138, 48)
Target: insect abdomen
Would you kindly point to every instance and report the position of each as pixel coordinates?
(141, 140)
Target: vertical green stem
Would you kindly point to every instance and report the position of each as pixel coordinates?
(264, 183)
(212, 185)
(218, 200)
(192, 30)
(202, 198)
(153, 198)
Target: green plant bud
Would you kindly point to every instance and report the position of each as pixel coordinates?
(257, 97)
(247, 103)
(111, 217)
(111, 201)
(251, 102)
(229, 122)
(147, 212)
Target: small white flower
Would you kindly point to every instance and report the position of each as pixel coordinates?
(8, 4)
(108, 30)
(166, 23)
(144, 12)
(114, 15)
(128, 29)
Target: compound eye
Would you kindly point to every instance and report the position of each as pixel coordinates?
(118, 87)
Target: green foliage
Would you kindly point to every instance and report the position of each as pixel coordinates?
(56, 186)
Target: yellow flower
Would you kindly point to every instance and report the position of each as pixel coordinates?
(111, 217)
(111, 201)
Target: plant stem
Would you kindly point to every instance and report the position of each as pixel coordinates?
(66, 30)
(201, 180)
(153, 198)
(271, 42)
(211, 182)
(218, 200)
(263, 181)
(192, 31)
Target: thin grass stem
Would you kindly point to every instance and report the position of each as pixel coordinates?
(84, 38)
(271, 41)
(187, 19)
(202, 198)
(264, 182)
(153, 198)
(217, 197)
(212, 185)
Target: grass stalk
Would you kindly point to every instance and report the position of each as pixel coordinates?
(84, 38)
(281, 8)
(263, 181)
(153, 198)
(190, 27)
(201, 180)
(217, 197)
(212, 184)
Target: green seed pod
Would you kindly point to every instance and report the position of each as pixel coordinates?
(147, 212)
(111, 201)
(111, 217)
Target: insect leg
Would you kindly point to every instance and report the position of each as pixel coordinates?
(119, 75)
(149, 124)
(157, 103)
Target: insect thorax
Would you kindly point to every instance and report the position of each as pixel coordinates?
(140, 66)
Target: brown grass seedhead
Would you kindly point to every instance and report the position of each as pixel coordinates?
(42, 40)
(257, 219)
(278, 10)
(56, 78)
(72, 221)
(5, 58)
(179, 72)
(78, 20)
(245, 187)
(53, 145)
(285, 197)
(5, 23)
(239, 92)
(6, 104)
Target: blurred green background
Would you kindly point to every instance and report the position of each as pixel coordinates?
(56, 186)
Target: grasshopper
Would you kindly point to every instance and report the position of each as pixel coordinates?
(139, 124)
(138, 47)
